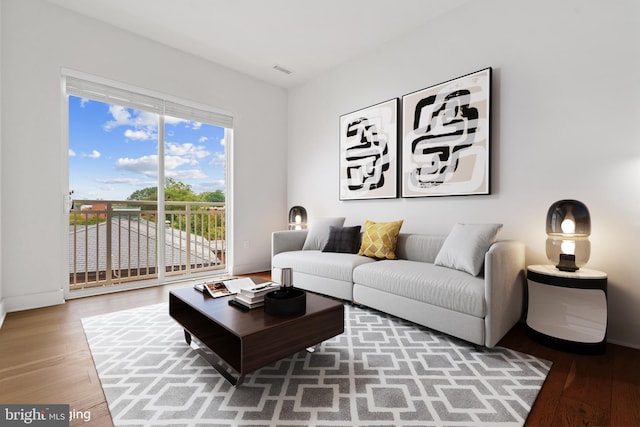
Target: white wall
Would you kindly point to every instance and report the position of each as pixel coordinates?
(565, 125)
(38, 40)
(2, 307)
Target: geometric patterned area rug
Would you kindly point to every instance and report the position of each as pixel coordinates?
(382, 371)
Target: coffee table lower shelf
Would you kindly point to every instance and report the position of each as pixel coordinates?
(214, 360)
(246, 341)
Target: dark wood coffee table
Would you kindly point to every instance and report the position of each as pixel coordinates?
(249, 340)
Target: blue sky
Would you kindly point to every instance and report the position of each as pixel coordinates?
(113, 151)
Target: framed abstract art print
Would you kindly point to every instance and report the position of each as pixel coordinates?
(445, 138)
(368, 152)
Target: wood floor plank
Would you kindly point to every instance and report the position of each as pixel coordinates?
(587, 392)
(573, 412)
(625, 383)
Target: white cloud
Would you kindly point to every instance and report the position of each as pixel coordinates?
(219, 159)
(174, 162)
(121, 117)
(142, 122)
(173, 120)
(186, 149)
(141, 135)
(185, 174)
(176, 121)
(181, 160)
(83, 102)
(146, 165)
(128, 181)
(93, 155)
(146, 119)
(218, 184)
(72, 153)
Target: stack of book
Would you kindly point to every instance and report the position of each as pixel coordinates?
(253, 297)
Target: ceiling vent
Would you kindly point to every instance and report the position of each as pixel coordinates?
(281, 69)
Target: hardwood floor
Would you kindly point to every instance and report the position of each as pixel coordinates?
(45, 359)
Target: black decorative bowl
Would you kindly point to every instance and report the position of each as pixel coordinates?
(287, 301)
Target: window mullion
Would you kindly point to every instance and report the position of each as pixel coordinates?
(161, 224)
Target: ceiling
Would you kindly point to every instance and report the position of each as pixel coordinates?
(307, 37)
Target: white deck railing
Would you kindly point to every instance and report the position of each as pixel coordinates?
(113, 242)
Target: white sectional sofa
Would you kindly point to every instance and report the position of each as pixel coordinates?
(478, 308)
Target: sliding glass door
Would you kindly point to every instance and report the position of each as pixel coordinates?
(147, 180)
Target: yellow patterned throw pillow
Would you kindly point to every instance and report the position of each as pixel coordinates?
(379, 239)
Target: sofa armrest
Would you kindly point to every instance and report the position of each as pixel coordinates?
(504, 267)
(287, 240)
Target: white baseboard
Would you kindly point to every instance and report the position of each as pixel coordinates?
(3, 313)
(28, 302)
(249, 268)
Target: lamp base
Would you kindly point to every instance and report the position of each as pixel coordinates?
(567, 263)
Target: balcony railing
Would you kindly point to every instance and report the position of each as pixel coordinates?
(113, 242)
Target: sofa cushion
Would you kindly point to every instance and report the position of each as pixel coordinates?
(418, 247)
(318, 233)
(343, 240)
(466, 245)
(333, 265)
(436, 285)
(379, 239)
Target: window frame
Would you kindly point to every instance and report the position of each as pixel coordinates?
(96, 88)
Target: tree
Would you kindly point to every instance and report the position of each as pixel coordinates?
(174, 191)
(179, 191)
(149, 193)
(212, 196)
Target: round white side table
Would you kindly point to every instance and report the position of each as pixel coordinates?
(567, 310)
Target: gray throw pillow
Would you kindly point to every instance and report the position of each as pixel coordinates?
(318, 233)
(465, 247)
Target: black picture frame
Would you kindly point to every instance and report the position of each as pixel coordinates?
(369, 151)
(446, 132)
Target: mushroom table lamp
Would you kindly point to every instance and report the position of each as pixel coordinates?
(568, 230)
(297, 218)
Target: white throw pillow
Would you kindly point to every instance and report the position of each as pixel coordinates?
(318, 233)
(465, 247)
